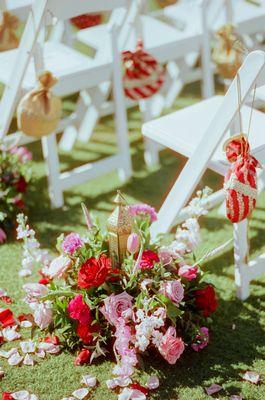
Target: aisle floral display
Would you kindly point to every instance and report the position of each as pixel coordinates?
(15, 175)
(115, 292)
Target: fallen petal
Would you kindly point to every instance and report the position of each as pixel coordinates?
(49, 347)
(118, 382)
(131, 394)
(40, 353)
(28, 360)
(33, 397)
(26, 324)
(10, 334)
(235, 397)
(252, 377)
(15, 359)
(214, 388)
(21, 395)
(89, 380)
(28, 347)
(80, 394)
(2, 373)
(7, 354)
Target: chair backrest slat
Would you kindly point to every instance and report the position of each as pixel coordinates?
(66, 9)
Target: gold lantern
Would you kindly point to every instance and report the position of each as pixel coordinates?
(119, 226)
(228, 55)
(39, 111)
(8, 38)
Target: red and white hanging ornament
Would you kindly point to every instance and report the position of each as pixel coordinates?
(143, 75)
(86, 20)
(240, 181)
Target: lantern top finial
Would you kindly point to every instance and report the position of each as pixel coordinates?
(119, 199)
(120, 221)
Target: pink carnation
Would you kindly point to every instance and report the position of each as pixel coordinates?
(171, 347)
(202, 339)
(172, 290)
(78, 310)
(190, 273)
(143, 209)
(116, 306)
(71, 243)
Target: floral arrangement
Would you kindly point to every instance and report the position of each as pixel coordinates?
(154, 298)
(15, 174)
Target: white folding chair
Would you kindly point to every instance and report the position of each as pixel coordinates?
(75, 72)
(19, 8)
(198, 132)
(167, 44)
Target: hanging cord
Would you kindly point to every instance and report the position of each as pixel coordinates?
(239, 99)
(251, 111)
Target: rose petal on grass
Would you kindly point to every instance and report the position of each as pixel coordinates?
(28, 347)
(235, 397)
(40, 353)
(21, 395)
(2, 373)
(89, 380)
(15, 359)
(214, 388)
(118, 382)
(10, 334)
(25, 324)
(28, 360)
(33, 397)
(7, 354)
(131, 394)
(80, 394)
(251, 377)
(49, 347)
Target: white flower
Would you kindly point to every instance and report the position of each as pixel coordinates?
(157, 337)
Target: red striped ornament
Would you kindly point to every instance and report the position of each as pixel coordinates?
(143, 75)
(240, 181)
(86, 20)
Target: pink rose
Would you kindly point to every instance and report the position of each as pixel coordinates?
(133, 243)
(115, 306)
(71, 243)
(58, 267)
(201, 340)
(190, 273)
(171, 347)
(42, 315)
(173, 290)
(79, 310)
(22, 153)
(143, 210)
(2, 236)
(35, 290)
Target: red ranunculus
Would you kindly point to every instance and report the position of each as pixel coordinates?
(205, 300)
(149, 258)
(6, 318)
(93, 272)
(83, 357)
(21, 185)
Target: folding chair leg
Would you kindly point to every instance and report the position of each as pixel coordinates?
(151, 152)
(241, 250)
(49, 148)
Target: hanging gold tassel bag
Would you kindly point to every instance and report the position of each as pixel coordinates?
(227, 56)
(8, 38)
(39, 111)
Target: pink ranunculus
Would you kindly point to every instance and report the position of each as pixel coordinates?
(71, 243)
(115, 306)
(145, 210)
(133, 243)
(171, 346)
(58, 267)
(165, 255)
(35, 290)
(2, 236)
(22, 152)
(42, 315)
(173, 290)
(188, 272)
(79, 310)
(202, 339)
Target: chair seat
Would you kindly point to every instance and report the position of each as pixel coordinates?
(160, 39)
(69, 66)
(183, 130)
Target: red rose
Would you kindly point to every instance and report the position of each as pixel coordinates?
(149, 258)
(93, 272)
(6, 318)
(205, 300)
(7, 396)
(83, 357)
(21, 185)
